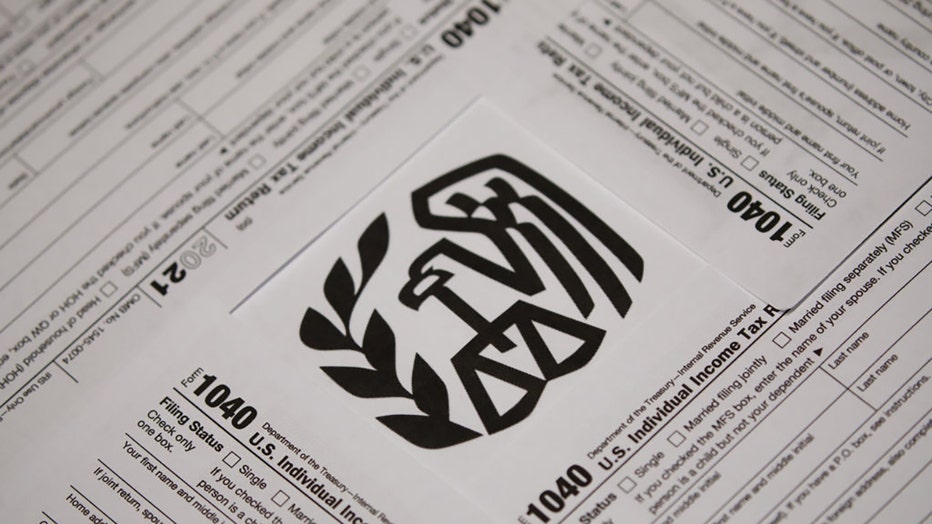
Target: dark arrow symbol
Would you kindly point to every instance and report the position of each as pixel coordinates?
(818, 352)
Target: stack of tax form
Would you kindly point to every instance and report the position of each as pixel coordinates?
(465, 261)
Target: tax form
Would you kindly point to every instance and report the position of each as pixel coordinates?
(465, 261)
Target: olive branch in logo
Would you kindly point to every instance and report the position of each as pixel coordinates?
(433, 429)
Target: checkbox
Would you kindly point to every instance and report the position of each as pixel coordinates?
(924, 208)
(627, 484)
(676, 438)
(108, 289)
(749, 163)
(257, 161)
(594, 50)
(280, 498)
(781, 340)
(361, 73)
(699, 127)
(232, 459)
(408, 31)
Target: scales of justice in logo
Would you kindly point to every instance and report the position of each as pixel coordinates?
(518, 203)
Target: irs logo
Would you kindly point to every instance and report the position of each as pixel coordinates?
(536, 238)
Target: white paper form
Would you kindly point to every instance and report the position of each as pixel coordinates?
(167, 169)
(771, 137)
(106, 212)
